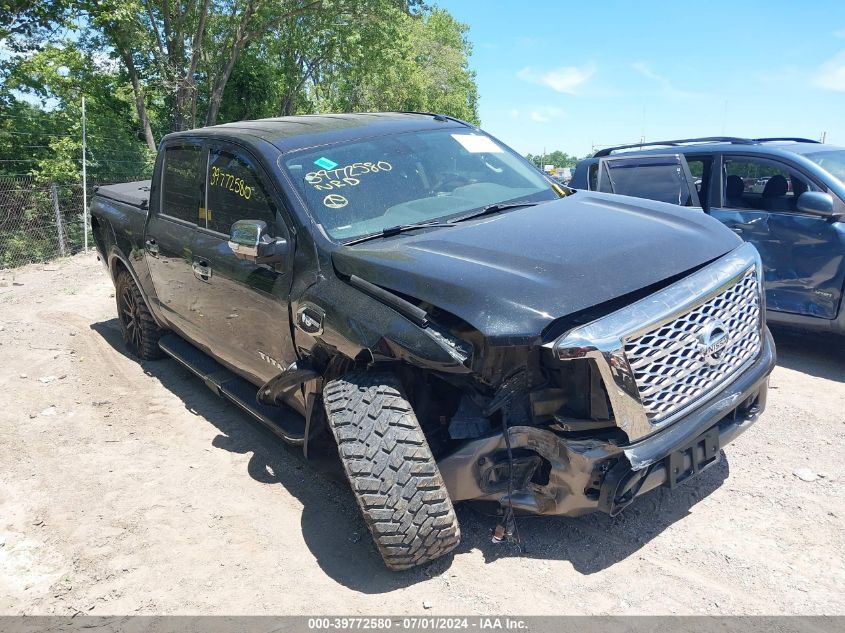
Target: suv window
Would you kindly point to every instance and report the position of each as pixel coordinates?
(235, 192)
(181, 183)
(832, 161)
(660, 178)
(700, 168)
(594, 177)
(751, 183)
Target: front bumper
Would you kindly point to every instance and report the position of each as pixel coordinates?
(560, 476)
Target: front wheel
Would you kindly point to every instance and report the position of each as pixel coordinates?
(391, 469)
(139, 329)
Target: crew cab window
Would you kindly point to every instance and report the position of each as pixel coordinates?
(751, 183)
(661, 178)
(235, 192)
(181, 183)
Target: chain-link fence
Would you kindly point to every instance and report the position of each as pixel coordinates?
(41, 220)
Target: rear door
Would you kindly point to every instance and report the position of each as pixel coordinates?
(802, 254)
(243, 306)
(664, 177)
(169, 235)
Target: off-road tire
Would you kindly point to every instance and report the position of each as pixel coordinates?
(139, 329)
(391, 470)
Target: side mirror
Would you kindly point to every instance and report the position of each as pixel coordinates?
(816, 202)
(250, 241)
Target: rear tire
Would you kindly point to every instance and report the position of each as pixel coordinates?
(139, 329)
(391, 469)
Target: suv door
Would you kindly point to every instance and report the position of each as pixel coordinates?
(169, 234)
(661, 177)
(243, 306)
(801, 253)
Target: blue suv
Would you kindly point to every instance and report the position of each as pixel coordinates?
(784, 195)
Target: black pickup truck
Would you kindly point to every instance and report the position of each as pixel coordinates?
(409, 289)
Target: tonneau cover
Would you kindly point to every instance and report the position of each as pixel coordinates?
(135, 193)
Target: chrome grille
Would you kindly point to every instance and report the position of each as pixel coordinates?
(668, 362)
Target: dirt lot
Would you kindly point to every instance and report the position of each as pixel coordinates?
(129, 488)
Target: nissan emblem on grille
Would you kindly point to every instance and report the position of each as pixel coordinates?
(677, 363)
(714, 338)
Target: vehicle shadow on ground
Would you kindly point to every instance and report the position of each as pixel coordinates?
(335, 533)
(812, 353)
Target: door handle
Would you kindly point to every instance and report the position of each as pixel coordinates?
(202, 270)
(152, 247)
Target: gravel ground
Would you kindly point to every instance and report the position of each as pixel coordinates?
(128, 487)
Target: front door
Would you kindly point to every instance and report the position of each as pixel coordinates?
(802, 254)
(243, 307)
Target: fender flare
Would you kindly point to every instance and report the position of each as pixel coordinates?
(116, 256)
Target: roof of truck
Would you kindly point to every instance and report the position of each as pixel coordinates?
(297, 132)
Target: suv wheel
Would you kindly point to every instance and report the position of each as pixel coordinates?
(391, 470)
(139, 329)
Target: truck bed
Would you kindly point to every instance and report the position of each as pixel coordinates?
(118, 219)
(135, 193)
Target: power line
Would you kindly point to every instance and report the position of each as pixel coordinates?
(128, 136)
(76, 160)
(17, 116)
(109, 160)
(37, 134)
(34, 120)
(99, 150)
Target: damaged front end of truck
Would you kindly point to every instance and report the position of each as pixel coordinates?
(597, 409)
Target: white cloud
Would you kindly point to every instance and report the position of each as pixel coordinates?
(840, 34)
(667, 89)
(515, 113)
(566, 79)
(545, 114)
(831, 74)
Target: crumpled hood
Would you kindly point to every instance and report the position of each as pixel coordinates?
(510, 275)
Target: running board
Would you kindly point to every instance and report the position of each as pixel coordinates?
(281, 420)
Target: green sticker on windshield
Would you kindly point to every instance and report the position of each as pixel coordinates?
(325, 163)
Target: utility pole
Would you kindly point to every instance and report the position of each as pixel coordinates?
(84, 179)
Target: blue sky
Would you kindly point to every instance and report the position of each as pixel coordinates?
(570, 76)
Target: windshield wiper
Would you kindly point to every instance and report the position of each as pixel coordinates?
(396, 230)
(401, 228)
(495, 208)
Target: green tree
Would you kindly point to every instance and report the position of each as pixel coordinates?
(147, 67)
(425, 68)
(25, 24)
(557, 158)
(51, 140)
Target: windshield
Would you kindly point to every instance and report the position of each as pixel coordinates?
(363, 187)
(833, 162)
